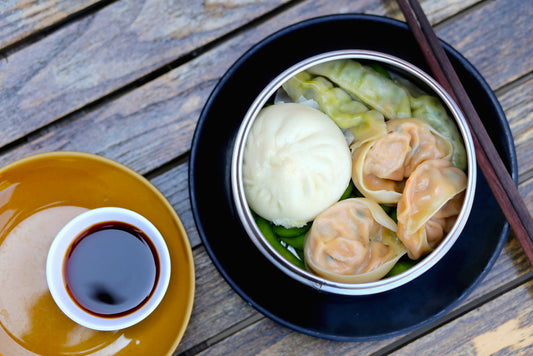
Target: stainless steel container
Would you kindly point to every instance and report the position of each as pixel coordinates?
(405, 70)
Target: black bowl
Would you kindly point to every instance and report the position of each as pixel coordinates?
(261, 284)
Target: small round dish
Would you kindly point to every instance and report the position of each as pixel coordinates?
(256, 279)
(109, 265)
(39, 194)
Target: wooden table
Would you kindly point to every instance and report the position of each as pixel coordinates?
(127, 80)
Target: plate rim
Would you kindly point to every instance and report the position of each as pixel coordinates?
(508, 146)
(76, 155)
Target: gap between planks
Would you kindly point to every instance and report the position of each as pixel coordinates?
(169, 165)
(460, 14)
(221, 336)
(156, 73)
(457, 313)
(36, 36)
(131, 86)
(394, 346)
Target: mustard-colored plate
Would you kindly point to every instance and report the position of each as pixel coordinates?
(40, 193)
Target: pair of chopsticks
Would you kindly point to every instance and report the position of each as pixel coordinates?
(499, 180)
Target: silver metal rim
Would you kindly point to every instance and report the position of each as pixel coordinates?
(309, 278)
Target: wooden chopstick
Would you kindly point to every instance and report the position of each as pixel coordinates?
(498, 178)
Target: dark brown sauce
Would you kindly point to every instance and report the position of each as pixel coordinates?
(111, 269)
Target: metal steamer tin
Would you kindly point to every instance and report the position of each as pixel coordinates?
(413, 74)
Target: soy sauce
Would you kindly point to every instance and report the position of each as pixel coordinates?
(111, 269)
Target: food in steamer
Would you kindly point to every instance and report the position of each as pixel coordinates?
(335, 252)
(407, 167)
(296, 163)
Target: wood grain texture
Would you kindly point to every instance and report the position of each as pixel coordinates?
(164, 111)
(519, 111)
(20, 19)
(56, 76)
(216, 306)
(266, 337)
(437, 13)
(496, 38)
(509, 333)
(90, 58)
(174, 185)
(513, 336)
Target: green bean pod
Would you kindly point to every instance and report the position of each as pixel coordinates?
(348, 191)
(378, 68)
(401, 266)
(290, 232)
(266, 229)
(300, 254)
(297, 241)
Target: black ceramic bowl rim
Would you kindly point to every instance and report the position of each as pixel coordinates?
(383, 320)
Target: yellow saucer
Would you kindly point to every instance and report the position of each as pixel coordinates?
(38, 194)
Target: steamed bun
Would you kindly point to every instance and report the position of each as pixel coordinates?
(296, 164)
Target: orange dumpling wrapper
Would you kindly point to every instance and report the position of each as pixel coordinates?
(353, 241)
(431, 200)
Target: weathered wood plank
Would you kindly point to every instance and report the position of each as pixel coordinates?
(496, 38)
(435, 10)
(509, 332)
(519, 111)
(216, 306)
(20, 19)
(266, 337)
(165, 110)
(437, 13)
(90, 58)
(214, 295)
(82, 62)
(174, 185)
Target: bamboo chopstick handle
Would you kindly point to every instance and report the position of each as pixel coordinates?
(498, 178)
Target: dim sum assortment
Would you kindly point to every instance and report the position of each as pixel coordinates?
(362, 163)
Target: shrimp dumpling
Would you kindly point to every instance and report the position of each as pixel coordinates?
(380, 167)
(353, 241)
(431, 200)
(296, 164)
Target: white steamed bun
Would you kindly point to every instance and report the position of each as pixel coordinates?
(296, 164)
